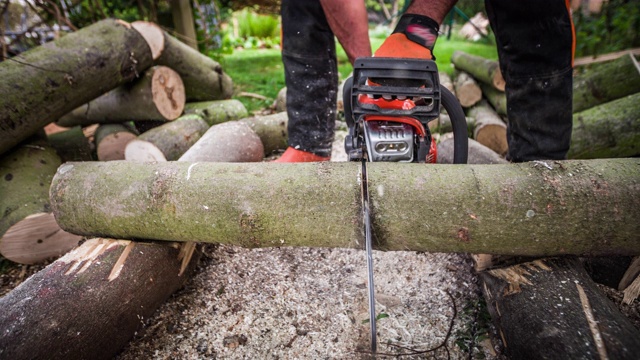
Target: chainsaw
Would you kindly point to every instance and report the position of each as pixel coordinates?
(388, 104)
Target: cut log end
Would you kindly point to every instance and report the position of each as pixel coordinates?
(140, 150)
(168, 92)
(494, 137)
(112, 146)
(153, 35)
(36, 238)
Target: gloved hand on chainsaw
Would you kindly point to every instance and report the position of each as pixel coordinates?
(414, 37)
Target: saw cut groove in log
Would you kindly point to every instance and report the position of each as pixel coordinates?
(111, 141)
(272, 130)
(174, 138)
(538, 208)
(203, 78)
(490, 130)
(484, 70)
(608, 130)
(84, 307)
(550, 309)
(41, 85)
(606, 82)
(217, 112)
(467, 90)
(157, 95)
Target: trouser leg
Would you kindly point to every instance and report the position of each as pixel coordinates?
(311, 76)
(535, 42)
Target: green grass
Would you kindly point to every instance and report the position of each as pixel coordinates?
(261, 71)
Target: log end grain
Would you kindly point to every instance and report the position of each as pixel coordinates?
(152, 34)
(144, 151)
(168, 92)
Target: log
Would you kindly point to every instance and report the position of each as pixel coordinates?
(203, 78)
(484, 70)
(550, 309)
(608, 130)
(157, 95)
(445, 81)
(271, 129)
(538, 208)
(606, 82)
(490, 130)
(27, 235)
(217, 112)
(478, 153)
(140, 150)
(497, 98)
(89, 303)
(467, 90)
(281, 101)
(232, 141)
(71, 145)
(174, 138)
(442, 125)
(111, 141)
(44, 83)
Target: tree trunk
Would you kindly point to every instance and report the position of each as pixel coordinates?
(71, 145)
(538, 208)
(111, 141)
(232, 141)
(90, 302)
(203, 78)
(490, 130)
(216, 112)
(44, 83)
(467, 90)
(497, 98)
(487, 71)
(608, 130)
(272, 130)
(606, 82)
(26, 235)
(183, 22)
(550, 309)
(478, 153)
(173, 139)
(157, 95)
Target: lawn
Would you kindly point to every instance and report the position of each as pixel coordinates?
(260, 71)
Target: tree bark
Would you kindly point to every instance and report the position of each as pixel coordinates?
(203, 78)
(111, 141)
(71, 145)
(478, 153)
(272, 130)
(90, 302)
(489, 130)
(44, 83)
(25, 176)
(538, 208)
(467, 90)
(157, 95)
(174, 138)
(550, 309)
(216, 112)
(497, 98)
(442, 125)
(484, 70)
(183, 21)
(232, 141)
(608, 130)
(606, 82)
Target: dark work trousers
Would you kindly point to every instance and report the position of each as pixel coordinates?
(311, 76)
(535, 41)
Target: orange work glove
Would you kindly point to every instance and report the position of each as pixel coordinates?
(414, 37)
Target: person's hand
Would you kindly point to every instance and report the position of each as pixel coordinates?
(413, 37)
(399, 46)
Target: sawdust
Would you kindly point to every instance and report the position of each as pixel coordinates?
(302, 303)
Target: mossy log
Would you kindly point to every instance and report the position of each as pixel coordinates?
(489, 129)
(551, 309)
(111, 141)
(217, 112)
(71, 145)
(272, 130)
(157, 95)
(442, 125)
(467, 91)
(606, 82)
(203, 78)
(27, 235)
(232, 141)
(41, 85)
(608, 130)
(174, 138)
(497, 98)
(484, 70)
(538, 208)
(89, 303)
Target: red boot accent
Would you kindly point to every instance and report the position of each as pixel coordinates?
(292, 155)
